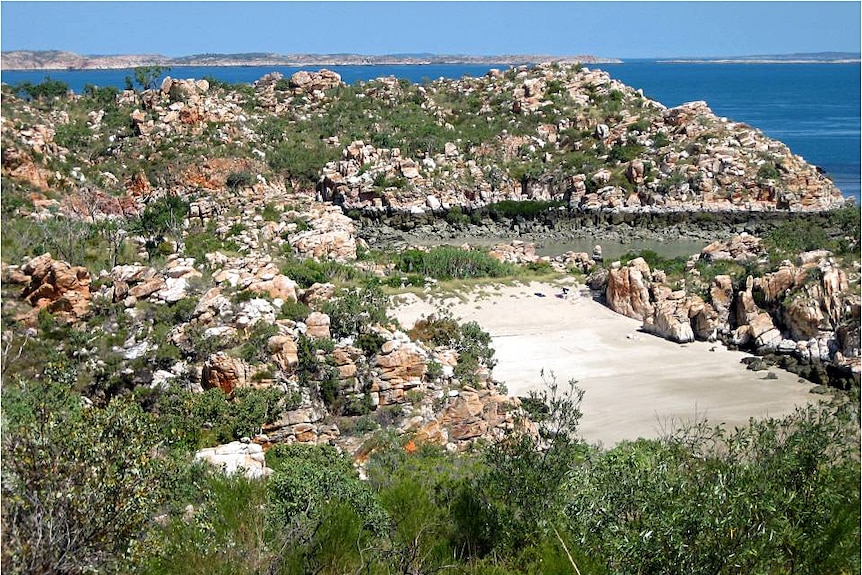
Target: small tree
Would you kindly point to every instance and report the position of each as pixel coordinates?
(147, 76)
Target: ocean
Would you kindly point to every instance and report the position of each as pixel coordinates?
(813, 108)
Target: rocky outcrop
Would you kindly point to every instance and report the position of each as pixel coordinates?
(803, 310)
(401, 364)
(312, 82)
(331, 235)
(741, 248)
(55, 286)
(224, 372)
(705, 163)
(628, 290)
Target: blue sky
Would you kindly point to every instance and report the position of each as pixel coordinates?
(611, 29)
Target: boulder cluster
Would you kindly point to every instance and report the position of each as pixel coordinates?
(803, 309)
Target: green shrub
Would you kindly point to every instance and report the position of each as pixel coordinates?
(353, 311)
(162, 217)
(448, 262)
(238, 180)
(294, 310)
(472, 343)
(672, 267)
(768, 171)
(224, 532)
(254, 349)
(75, 135)
(456, 216)
(199, 242)
(795, 236)
(370, 342)
(518, 494)
(81, 482)
(271, 213)
(781, 495)
(306, 478)
(527, 209)
(625, 153)
(46, 91)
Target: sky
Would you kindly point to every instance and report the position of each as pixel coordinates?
(608, 29)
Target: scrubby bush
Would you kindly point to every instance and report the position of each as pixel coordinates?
(779, 496)
(353, 311)
(239, 180)
(527, 209)
(78, 483)
(308, 477)
(472, 343)
(44, 92)
(194, 420)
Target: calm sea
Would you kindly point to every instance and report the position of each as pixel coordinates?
(813, 108)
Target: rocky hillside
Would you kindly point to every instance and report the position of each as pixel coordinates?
(197, 237)
(554, 132)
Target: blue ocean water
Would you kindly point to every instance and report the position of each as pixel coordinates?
(813, 108)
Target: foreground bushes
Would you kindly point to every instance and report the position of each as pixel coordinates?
(780, 496)
(78, 483)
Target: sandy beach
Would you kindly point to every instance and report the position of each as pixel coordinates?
(636, 384)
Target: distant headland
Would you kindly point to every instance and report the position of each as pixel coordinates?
(803, 58)
(60, 60)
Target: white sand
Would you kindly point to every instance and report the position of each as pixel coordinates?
(636, 384)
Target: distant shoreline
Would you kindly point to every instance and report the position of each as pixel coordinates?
(766, 61)
(23, 60)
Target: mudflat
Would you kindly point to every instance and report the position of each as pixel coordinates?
(636, 384)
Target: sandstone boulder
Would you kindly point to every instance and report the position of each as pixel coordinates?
(284, 351)
(402, 364)
(224, 372)
(318, 325)
(62, 289)
(627, 291)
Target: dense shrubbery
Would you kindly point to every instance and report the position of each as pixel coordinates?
(837, 231)
(78, 483)
(780, 496)
(447, 262)
(191, 420)
(354, 310)
(527, 209)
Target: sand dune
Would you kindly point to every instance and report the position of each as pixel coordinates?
(636, 384)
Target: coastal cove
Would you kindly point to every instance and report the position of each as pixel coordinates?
(813, 108)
